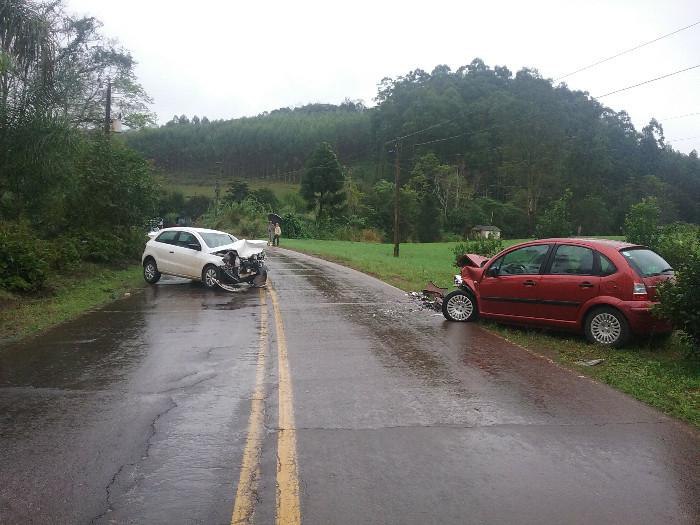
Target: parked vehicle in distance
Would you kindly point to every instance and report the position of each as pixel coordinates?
(216, 258)
(603, 288)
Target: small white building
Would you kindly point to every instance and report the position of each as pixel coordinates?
(486, 232)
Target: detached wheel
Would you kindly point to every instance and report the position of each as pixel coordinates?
(210, 276)
(459, 306)
(607, 326)
(150, 272)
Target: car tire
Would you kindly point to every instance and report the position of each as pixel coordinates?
(459, 306)
(150, 271)
(607, 326)
(210, 276)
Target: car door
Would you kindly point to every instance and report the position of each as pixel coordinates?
(510, 285)
(571, 279)
(163, 249)
(187, 255)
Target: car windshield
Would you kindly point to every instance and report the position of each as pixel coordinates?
(214, 240)
(646, 262)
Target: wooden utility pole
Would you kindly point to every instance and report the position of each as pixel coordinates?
(397, 149)
(108, 107)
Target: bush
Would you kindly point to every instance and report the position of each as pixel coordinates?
(675, 241)
(642, 222)
(483, 247)
(23, 259)
(680, 300)
(111, 245)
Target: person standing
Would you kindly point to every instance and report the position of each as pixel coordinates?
(278, 232)
(270, 232)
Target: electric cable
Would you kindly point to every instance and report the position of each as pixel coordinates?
(648, 81)
(627, 51)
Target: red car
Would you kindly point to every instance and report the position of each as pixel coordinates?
(601, 287)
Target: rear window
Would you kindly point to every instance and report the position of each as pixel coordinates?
(167, 237)
(646, 262)
(214, 240)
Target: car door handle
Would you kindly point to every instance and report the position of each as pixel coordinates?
(529, 282)
(585, 284)
(171, 252)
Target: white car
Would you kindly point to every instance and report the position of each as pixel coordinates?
(200, 254)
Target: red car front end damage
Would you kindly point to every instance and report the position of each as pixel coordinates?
(606, 289)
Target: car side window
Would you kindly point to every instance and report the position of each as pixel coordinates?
(606, 265)
(523, 261)
(167, 237)
(572, 260)
(186, 239)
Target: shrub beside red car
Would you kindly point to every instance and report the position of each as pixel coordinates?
(603, 288)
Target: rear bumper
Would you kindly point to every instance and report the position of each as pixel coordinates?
(642, 321)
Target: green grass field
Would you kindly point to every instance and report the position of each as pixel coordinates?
(207, 189)
(654, 371)
(417, 265)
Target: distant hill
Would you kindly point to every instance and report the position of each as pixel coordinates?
(516, 139)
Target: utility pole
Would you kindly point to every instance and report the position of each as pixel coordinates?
(397, 149)
(108, 107)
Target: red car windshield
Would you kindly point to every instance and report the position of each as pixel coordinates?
(646, 262)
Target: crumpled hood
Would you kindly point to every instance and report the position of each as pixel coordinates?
(244, 247)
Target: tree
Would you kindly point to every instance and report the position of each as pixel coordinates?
(237, 191)
(428, 224)
(322, 183)
(266, 197)
(642, 222)
(556, 220)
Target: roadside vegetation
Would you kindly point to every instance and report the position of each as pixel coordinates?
(73, 198)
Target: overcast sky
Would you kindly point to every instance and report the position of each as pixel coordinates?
(227, 59)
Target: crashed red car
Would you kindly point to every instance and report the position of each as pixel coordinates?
(603, 288)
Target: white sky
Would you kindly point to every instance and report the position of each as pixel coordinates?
(227, 59)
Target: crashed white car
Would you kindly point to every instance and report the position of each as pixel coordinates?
(216, 258)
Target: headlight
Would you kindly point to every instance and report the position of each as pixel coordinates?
(458, 280)
(253, 257)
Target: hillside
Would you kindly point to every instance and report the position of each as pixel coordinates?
(494, 146)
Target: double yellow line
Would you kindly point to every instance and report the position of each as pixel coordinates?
(288, 510)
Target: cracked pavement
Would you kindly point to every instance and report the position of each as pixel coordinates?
(138, 413)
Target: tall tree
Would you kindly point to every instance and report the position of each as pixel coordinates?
(322, 183)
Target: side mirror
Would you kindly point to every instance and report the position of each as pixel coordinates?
(194, 246)
(492, 272)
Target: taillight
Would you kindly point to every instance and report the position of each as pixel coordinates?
(639, 292)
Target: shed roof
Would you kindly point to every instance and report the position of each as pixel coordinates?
(482, 227)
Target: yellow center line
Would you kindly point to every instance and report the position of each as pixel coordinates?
(250, 468)
(288, 508)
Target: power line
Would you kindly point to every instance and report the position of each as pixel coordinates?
(627, 51)
(420, 131)
(680, 116)
(648, 81)
(684, 138)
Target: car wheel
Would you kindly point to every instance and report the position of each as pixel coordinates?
(150, 272)
(210, 276)
(607, 326)
(459, 306)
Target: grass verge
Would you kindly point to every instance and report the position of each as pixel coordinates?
(418, 263)
(657, 372)
(97, 285)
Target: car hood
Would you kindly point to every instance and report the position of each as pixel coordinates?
(244, 247)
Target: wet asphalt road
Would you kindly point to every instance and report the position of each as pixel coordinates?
(139, 413)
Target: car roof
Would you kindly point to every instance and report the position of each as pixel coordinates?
(192, 230)
(610, 244)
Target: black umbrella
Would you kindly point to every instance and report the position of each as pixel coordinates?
(274, 217)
